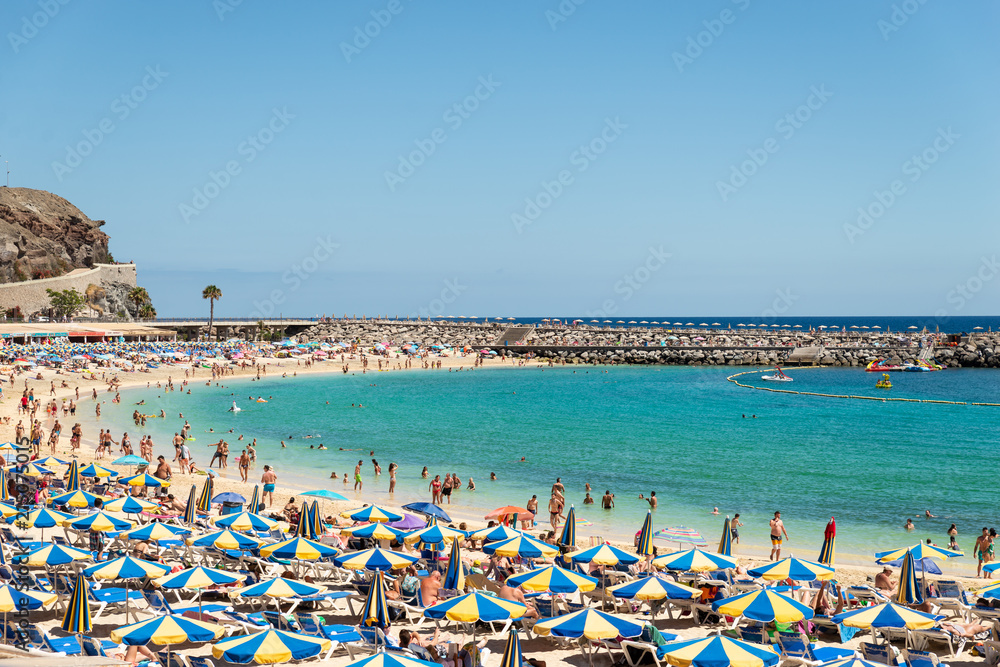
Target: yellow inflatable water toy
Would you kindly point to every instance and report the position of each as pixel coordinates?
(884, 383)
(261, 400)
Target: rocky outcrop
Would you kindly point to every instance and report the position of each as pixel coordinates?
(43, 236)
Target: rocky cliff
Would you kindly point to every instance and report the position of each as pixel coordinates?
(42, 236)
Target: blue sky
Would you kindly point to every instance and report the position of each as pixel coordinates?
(642, 158)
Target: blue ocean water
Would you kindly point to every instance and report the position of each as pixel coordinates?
(688, 434)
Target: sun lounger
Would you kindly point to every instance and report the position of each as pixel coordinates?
(915, 658)
(159, 606)
(341, 635)
(173, 659)
(882, 654)
(920, 639)
(797, 650)
(247, 622)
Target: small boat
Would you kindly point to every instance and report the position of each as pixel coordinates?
(923, 366)
(777, 377)
(881, 365)
(884, 383)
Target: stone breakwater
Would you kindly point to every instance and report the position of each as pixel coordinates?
(635, 345)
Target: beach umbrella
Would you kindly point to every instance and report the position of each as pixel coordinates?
(726, 541)
(76, 499)
(317, 519)
(553, 579)
(130, 460)
(909, 592)
(989, 590)
(94, 470)
(7, 511)
(887, 615)
(428, 509)
(4, 479)
(167, 630)
(303, 528)
(77, 618)
(505, 513)
(43, 518)
(681, 535)
(298, 548)
(324, 493)
(494, 534)
(197, 578)
(225, 540)
(191, 509)
(522, 546)
(605, 554)
(433, 536)
(205, 499)
(142, 479)
(694, 560)
(126, 568)
(374, 531)
(12, 599)
(54, 554)
(454, 576)
(654, 588)
(269, 647)
(373, 514)
(765, 606)
(254, 499)
(645, 546)
(852, 662)
(375, 559)
(155, 531)
(919, 550)
(718, 651)
(375, 611)
(244, 521)
(567, 537)
(590, 624)
(34, 470)
(50, 461)
(101, 522)
(130, 505)
(793, 568)
(512, 656)
(475, 606)
(828, 551)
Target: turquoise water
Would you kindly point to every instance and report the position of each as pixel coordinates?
(676, 430)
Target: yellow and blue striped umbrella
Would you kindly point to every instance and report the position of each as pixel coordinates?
(304, 526)
(130, 505)
(254, 499)
(94, 470)
(54, 554)
(374, 531)
(765, 606)
(376, 610)
(793, 568)
(454, 576)
(167, 630)
(567, 537)
(919, 550)
(553, 579)
(44, 518)
(718, 651)
(827, 552)
(269, 648)
(523, 546)
(191, 509)
(34, 470)
(726, 541)
(589, 623)
(512, 656)
(244, 521)
(654, 588)
(50, 461)
(7, 511)
(77, 618)
(277, 588)
(476, 606)
(73, 477)
(887, 615)
(101, 521)
(694, 560)
(317, 519)
(909, 589)
(205, 499)
(382, 659)
(224, 539)
(433, 536)
(375, 559)
(12, 599)
(76, 498)
(373, 513)
(645, 546)
(155, 531)
(299, 548)
(605, 554)
(197, 578)
(126, 567)
(142, 479)
(4, 480)
(494, 534)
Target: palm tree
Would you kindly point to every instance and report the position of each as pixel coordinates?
(147, 312)
(213, 294)
(261, 329)
(139, 296)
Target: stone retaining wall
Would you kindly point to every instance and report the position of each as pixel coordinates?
(31, 295)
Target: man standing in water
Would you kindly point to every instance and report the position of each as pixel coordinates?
(777, 530)
(608, 501)
(357, 476)
(268, 479)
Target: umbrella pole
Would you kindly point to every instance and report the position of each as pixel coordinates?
(199, 606)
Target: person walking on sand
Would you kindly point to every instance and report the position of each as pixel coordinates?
(244, 466)
(777, 530)
(268, 479)
(981, 549)
(357, 476)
